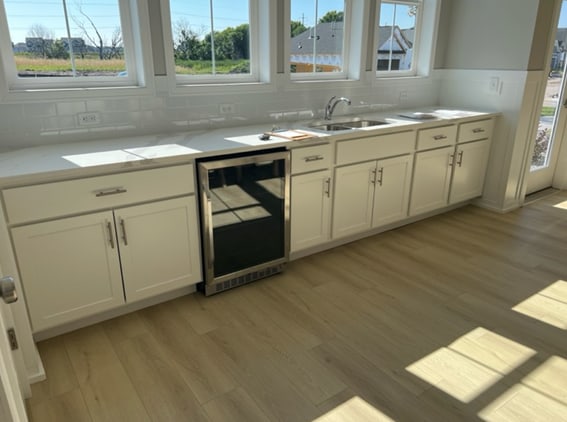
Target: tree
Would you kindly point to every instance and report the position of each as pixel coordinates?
(187, 45)
(57, 50)
(297, 28)
(40, 39)
(94, 37)
(332, 16)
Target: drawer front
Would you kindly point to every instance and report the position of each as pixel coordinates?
(473, 131)
(318, 157)
(94, 193)
(371, 148)
(436, 137)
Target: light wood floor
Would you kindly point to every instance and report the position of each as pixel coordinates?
(459, 317)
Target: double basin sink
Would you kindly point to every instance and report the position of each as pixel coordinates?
(347, 125)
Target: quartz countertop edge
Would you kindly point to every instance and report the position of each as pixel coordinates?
(54, 162)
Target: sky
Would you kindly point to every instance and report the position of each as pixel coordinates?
(22, 14)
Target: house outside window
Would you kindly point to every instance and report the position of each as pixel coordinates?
(213, 40)
(317, 45)
(397, 37)
(64, 44)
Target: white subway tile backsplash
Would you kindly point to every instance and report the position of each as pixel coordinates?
(71, 107)
(56, 121)
(40, 109)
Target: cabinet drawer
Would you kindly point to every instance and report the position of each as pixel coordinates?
(473, 131)
(436, 137)
(358, 150)
(94, 193)
(313, 158)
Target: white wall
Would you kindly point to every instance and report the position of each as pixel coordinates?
(489, 34)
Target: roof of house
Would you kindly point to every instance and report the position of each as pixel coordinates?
(329, 39)
(401, 43)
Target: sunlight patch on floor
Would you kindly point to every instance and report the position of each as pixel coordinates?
(562, 205)
(355, 409)
(471, 364)
(549, 305)
(542, 396)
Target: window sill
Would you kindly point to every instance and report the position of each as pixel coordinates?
(47, 94)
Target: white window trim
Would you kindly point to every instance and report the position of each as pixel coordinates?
(415, 58)
(261, 18)
(134, 16)
(323, 76)
(426, 34)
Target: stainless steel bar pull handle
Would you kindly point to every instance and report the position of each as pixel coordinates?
(107, 192)
(373, 176)
(478, 130)
(451, 160)
(439, 137)
(313, 158)
(460, 159)
(328, 187)
(381, 178)
(8, 290)
(123, 227)
(110, 236)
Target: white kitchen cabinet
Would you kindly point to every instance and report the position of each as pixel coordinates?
(471, 160)
(159, 247)
(391, 197)
(431, 180)
(310, 209)
(371, 194)
(70, 268)
(454, 173)
(79, 266)
(353, 199)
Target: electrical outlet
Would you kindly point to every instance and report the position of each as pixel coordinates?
(403, 95)
(226, 108)
(89, 119)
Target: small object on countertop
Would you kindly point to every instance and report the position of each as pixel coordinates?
(264, 136)
(418, 115)
(291, 134)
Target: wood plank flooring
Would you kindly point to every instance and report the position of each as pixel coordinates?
(459, 317)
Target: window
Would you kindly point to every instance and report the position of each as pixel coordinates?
(62, 44)
(317, 45)
(214, 40)
(397, 40)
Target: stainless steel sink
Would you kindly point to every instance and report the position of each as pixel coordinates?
(331, 127)
(364, 123)
(348, 125)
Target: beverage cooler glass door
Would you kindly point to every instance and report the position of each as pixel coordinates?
(245, 215)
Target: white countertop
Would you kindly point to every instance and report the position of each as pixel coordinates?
(54, 162)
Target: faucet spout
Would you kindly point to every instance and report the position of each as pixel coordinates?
(332, 103)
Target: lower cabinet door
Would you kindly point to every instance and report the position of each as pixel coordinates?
(69, 268)
(159, 247)
(310, 209)
(354, 195)
(431, 180)
(470, 168)
(391, 198)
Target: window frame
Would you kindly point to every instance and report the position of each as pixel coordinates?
(137, 52)
(418, 40)
(346, 53)
(194, 81)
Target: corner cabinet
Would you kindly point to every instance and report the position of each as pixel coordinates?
(77, 266)
(311, 196)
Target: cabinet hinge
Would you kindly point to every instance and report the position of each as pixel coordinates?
(12, 339)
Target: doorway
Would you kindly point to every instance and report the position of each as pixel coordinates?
(553, 111)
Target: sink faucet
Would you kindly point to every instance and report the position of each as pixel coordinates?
(330, 107)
